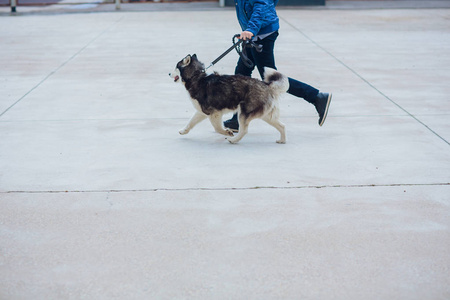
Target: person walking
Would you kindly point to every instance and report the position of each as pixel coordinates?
(259, 22)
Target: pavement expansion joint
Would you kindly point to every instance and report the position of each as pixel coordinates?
(60, 66)
(364, 79)
(230, 188)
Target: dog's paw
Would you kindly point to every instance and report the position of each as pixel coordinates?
(281, 141)
(232, 140)
(229, 132)
(183, 131)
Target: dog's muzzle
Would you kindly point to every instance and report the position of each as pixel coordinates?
(174, 76)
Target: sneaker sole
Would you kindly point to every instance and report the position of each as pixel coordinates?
(326, 109)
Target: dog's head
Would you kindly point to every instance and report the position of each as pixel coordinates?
(187, 68)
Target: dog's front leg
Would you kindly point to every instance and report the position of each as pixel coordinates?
(196, 118)
(243, 129)
(216, 121)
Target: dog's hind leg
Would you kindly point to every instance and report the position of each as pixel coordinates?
(216, 121)
(196, 118)
(273, 120)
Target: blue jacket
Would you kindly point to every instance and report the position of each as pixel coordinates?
(257, 16)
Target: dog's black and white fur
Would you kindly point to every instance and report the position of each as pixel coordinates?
(214, 95)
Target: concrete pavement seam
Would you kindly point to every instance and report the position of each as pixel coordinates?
(365, 80)
(61, 66)
(232, 188)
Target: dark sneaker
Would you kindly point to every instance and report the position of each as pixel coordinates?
(232, 124)
(322, 103)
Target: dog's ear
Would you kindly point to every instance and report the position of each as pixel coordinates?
(194, 56)
(186, 60)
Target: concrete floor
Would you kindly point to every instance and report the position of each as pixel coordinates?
(101, 198)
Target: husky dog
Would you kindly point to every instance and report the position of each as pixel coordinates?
(214, 95)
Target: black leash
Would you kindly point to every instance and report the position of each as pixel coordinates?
(240, 47)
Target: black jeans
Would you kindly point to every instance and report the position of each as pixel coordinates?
(267, 59)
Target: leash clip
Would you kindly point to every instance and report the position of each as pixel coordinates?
(208, 67)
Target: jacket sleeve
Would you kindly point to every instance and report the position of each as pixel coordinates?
(260, 9)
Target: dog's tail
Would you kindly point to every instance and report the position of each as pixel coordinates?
(277, 81)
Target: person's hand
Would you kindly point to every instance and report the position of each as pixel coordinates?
(246, 35)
